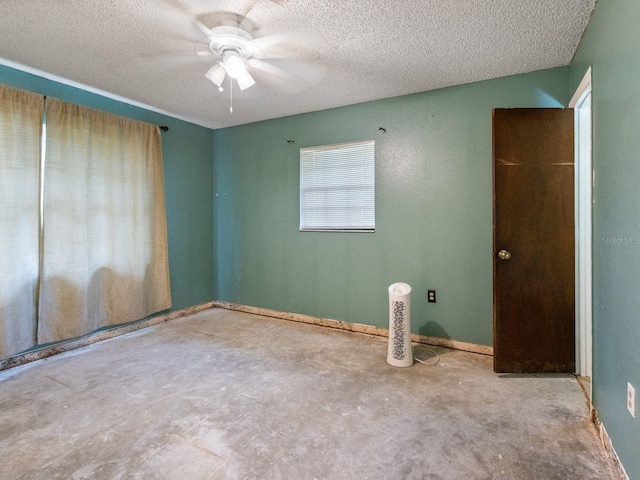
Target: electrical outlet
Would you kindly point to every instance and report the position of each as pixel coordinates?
(431, 296)
(631, 400)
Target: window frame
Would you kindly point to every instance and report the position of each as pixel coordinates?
(369, 172)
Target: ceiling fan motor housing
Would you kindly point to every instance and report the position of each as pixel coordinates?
(223, 39)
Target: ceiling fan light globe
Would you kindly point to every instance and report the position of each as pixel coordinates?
(216, 74)
(235, 66)
(245, 80)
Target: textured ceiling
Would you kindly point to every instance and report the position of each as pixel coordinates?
(335, 52)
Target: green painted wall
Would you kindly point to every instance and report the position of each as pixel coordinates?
(611, 45)
(188, 172)
(433, 209)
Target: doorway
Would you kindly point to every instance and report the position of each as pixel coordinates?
(581, 102)
(534, 240)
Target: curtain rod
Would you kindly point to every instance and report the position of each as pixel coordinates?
(164, 128)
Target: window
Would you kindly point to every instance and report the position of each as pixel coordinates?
(337, 187)
(83, 231)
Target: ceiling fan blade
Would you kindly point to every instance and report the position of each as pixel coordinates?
(202, 27)
(269, 41)
(246, 24)
(284, 77)
(203, 51)
(267, 67)
(245, 80)
(216, 74)
(298, 74)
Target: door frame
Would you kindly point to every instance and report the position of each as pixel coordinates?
(582, 105)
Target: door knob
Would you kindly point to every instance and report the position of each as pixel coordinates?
(504, 255)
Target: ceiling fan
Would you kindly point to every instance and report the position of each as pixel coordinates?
(234, 47)
(239, 55)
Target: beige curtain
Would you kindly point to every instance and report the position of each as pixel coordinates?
(20, 129)
(105, 245)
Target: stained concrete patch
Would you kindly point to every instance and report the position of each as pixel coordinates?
(227, 395)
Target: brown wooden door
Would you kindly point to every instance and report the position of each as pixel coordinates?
(534, 289)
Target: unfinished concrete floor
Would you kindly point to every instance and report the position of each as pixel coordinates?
(227, 395)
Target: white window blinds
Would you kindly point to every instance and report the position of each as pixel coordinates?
(337, 187)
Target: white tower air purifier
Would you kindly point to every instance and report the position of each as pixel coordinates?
(400, 352)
